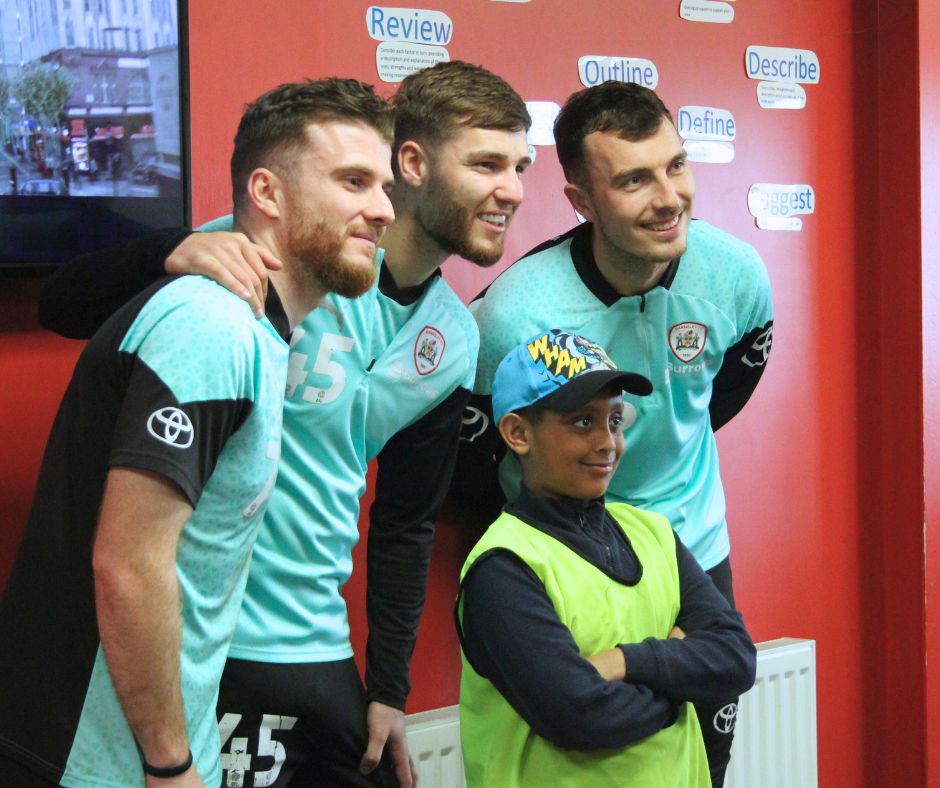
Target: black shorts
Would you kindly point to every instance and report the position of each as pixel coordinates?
(302, 725)
(12, 773)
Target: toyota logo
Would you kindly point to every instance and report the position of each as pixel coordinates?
(725, 718)
(475, 422)
(171, 426)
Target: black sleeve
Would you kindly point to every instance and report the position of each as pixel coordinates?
(414, 469)
(475, 485)
(741, 369)
(85, 292)
(513, 637)
(717, 658)
(181, 441)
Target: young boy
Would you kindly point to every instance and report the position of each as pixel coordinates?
(586, 629)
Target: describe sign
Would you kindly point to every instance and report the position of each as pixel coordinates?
(778, 64)
(594, 69)
(706, 11)
(777, 206)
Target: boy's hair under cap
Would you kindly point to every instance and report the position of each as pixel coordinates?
(559, 371)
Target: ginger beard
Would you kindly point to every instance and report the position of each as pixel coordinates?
(449, 223)
(325, 261)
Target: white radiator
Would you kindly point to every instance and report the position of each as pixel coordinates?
(434, 743)
(775, 736)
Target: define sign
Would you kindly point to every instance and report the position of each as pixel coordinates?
(706, 123)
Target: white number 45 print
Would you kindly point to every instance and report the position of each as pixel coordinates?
(324, 365)
(237, 761)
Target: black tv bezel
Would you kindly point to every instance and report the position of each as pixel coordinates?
(86, 224)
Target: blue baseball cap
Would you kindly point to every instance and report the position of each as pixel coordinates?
(559, 371)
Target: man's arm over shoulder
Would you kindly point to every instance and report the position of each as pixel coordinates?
(86, 291)
(715, 659)
(513, 637)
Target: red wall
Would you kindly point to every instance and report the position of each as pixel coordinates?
(823, 468)
(892, 523)
(929, 111)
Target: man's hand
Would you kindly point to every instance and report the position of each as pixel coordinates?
(231, 260)
(188, 779)
(611, 664)
(677, 633)
(387, 727)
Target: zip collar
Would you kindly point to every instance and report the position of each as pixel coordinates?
(582, 255)
(586, 528)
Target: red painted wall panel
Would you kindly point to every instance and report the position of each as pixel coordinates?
(929, 23)
(805, 463)
(893, 635)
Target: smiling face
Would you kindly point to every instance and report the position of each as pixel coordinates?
(573, 454)
(637, 194)
(337, 205)
(474, 187)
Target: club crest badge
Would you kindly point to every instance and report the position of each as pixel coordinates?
(687, 340)
(429, 349)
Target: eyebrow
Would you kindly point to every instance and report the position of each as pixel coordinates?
(625, 175)
(491, 154)
(358, 169)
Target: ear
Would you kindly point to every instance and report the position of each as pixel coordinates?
(514, 431)
(413, 163)
(580, 200)
(265, 191)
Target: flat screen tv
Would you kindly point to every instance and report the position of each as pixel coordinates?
(94, 146)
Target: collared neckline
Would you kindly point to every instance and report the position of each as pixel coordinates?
(560, 513)
(274, 310)
(405, 296)
(582, 255)
(581, 525)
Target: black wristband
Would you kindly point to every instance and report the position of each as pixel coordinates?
(168, 771)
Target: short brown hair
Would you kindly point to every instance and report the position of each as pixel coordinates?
(433, 103)
(632, 111)
(274, 126)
